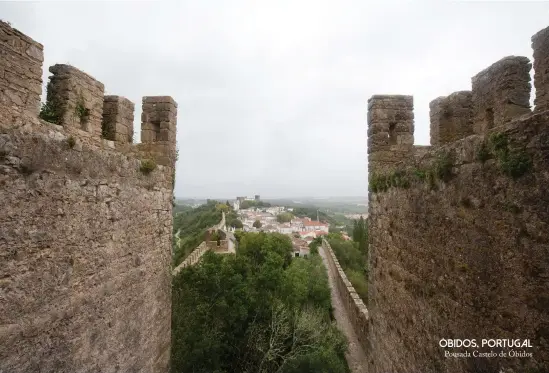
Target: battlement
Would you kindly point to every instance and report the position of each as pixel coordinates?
(20, 74)
(540, 45)
(86, 223)
(500, 93)
(390, 130)
(457, 230)
(451, 117)
(76, 103)
(117, 123)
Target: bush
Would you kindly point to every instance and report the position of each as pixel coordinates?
(258, 311)
(147, 166)
(354, 264)
(512, 163)
(192, 225)
(71, 142)
(443, 167)
(483, 153)
(360, 283)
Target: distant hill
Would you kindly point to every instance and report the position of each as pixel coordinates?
(353, 205)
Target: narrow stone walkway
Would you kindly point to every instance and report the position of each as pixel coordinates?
(355, 355)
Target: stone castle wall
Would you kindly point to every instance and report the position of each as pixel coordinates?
(355, 307)
(193, 258)
(459, 231)
(86, 223)
(196, 254)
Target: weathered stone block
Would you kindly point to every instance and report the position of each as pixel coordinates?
(159, 124)
(540, 45)
(77, 98)
(390, 122)
(500, 93)
(117, 122)
(20, 74)
(451, 117)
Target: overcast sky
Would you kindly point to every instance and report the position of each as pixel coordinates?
(273, 94)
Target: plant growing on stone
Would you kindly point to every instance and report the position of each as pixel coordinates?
(420, 174)
(443, 167)
(399, 179)
(71, 142)
(512, 163)
(81, 111)
(147, 166)
(378, 183)
(483, 153)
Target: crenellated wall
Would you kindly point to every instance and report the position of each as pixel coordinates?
(451, 117)
(391, 131)
(117, 122)
(501, 92)
(20, 74)
(86, 223)
(540, 45)
(459, 231)
(226, 246)
(355, 307)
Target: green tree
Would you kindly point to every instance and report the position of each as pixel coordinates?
(236, 223)
(315, 243)
(256, 224)
(360, 234)
(354, 264)
(190, 226)
(284, 217)
(258, 311)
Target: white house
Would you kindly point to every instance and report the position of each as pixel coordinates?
(304, 251)
(297, 224)
(285, 228)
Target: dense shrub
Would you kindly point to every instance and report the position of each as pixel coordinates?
(257, 311)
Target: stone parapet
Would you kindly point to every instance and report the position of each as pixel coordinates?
(451, 117)
(77, 98)
(540, 45)
(20, 75)
(355, 307)
(501, 92)
(117, 124)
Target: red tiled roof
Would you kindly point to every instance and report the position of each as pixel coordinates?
(315, 224)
